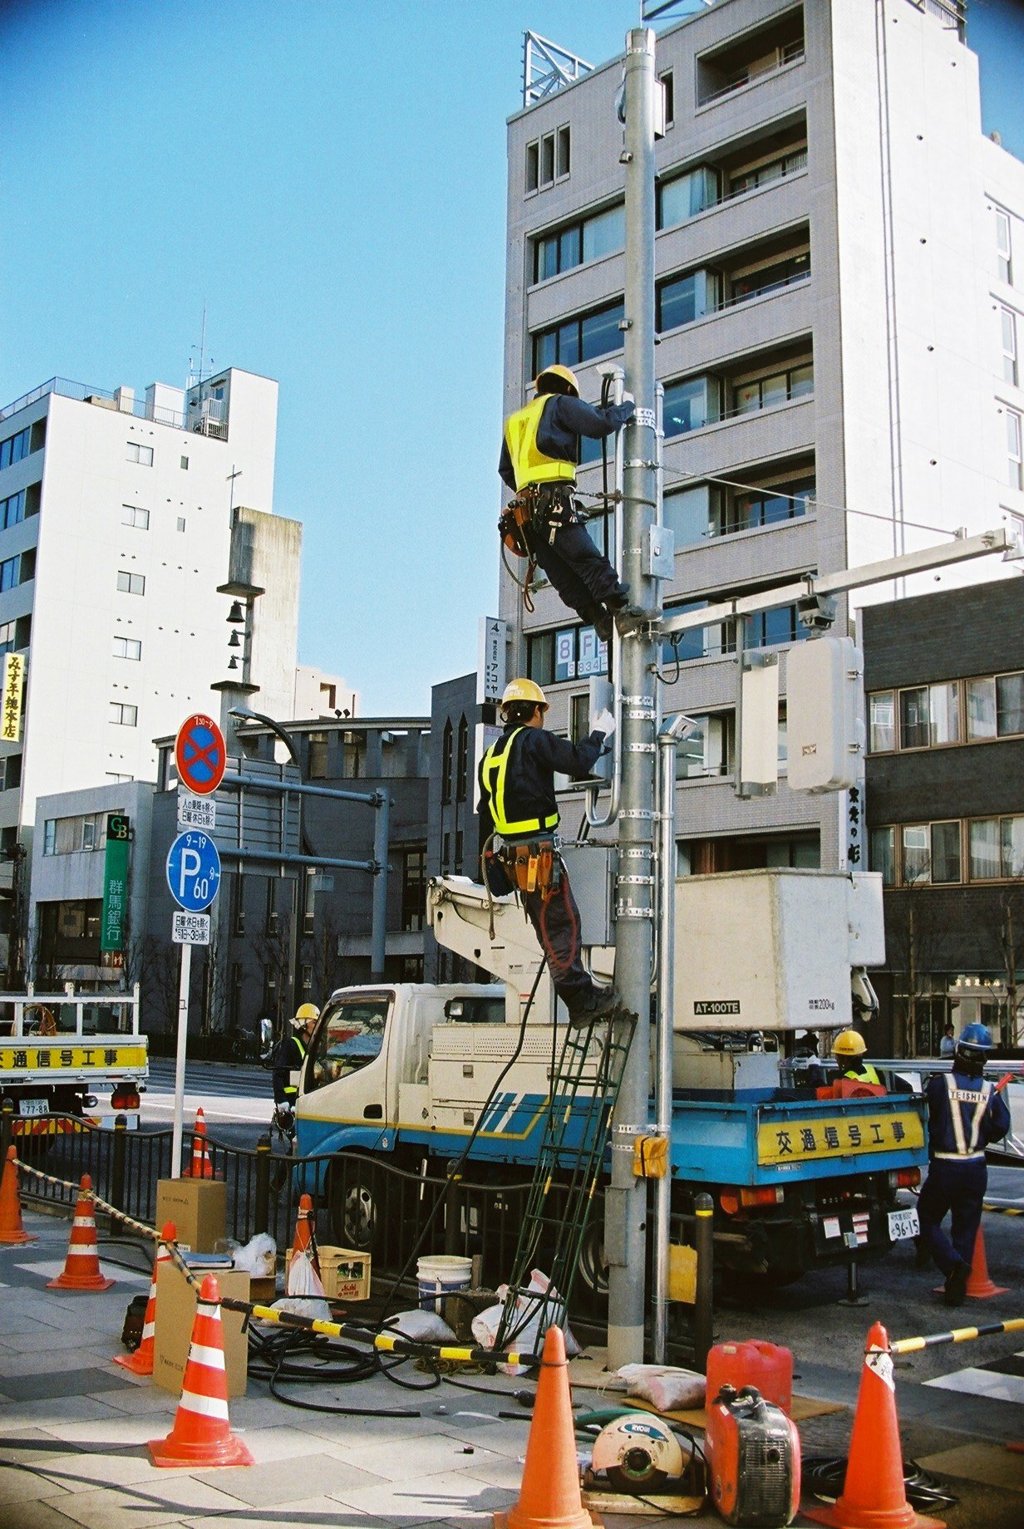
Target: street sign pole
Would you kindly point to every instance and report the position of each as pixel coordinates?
(179, 1067)
(193, 878)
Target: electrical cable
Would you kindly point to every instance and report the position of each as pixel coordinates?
(825, 1475)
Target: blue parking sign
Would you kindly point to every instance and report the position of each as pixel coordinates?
(193, 870)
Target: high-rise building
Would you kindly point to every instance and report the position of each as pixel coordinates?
(839, 299)
(140, 564)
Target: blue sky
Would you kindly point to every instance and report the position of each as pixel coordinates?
(328, 180)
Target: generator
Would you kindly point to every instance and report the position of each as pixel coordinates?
(753, 1454)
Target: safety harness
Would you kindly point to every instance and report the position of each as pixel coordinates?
(967, 1143)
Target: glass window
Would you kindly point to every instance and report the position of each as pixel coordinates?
(883, 841)
(981, 708)
(1004, 247)
(1009, 704)
(1011, 841)
(686, 298)
(984, 849)
(349, 1037)
(50, 836)
(686, 195)
(131, 583)
(945, 865)
(9, 573)
(604, 234)
(127, 647)
(132, 515)
(601, 333)
(123, 714)
(689, 405)
(7, 630)
(916, 853)
(688, 514)
(930, 716)
(1014, 470)
(1008, 321)
(141, 454)
(801, 381)
(882, 722)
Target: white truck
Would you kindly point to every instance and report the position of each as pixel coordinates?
(76, 1054)
(410, 1072)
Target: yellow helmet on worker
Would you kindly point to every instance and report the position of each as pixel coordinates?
(304, 1015)
(555, 379)
(849, 1043)
(523, 690)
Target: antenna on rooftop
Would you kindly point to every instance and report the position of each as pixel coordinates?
(197, 363)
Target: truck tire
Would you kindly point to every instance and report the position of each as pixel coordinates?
(353, 1210)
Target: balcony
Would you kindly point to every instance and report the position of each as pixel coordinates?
(750, 59)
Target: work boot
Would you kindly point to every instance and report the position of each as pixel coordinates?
(602, 624)
(598, 1004)
(955, 1292)
(630, 619)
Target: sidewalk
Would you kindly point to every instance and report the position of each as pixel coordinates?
(74, 1426)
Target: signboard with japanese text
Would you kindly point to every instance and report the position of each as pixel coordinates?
(856, 853)
(491, 662)
(190, 928)
(193, 871)
(39, 1057)
(115, 883)
(798, 1141)
(196, 811)
(13, 689)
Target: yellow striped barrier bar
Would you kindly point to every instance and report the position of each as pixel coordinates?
(956, 1335)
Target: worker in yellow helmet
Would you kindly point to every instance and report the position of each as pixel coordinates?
(288, 1060)
(538, 460)
(517, 805)
(848, 1048)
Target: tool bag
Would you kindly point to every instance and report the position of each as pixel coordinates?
(533, 866)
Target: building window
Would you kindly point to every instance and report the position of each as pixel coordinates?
(69, 932)
(767, 629)
(127, 647)
(7, 631)
(995, 706)
(447, 760)
(414, 884)
(996, 848)
(881, 722)
(181, 522)
(9, 572)
(684, 196)
(69, 836)
(778, 387)
(930, 716)
(462, 761)
(317, 764)
(15, 447)
(1008, 325)
(697, 642)
(684, 299)
(141, 454)
(132, 515)
(690, 404)
(603, 233)
(12, 510)
(580, 339)
(1004, 249)
(883, 854)
(184, 464)
(10, 772)
(769, 170)
(1014, 463)
(668, 97)
(131, 583)
(548, 159)
(123, 714)
(930, 853)
(710, 748)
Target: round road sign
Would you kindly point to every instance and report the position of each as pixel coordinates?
(199, 754)
(193, 870)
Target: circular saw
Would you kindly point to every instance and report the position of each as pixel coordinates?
(638, 1453)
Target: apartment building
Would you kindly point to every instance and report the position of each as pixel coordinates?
(140, 564)
(839, 301)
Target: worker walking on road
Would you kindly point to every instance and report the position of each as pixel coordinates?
(288, 1060)
(517, 802)
(965, 1113)
(538, 461)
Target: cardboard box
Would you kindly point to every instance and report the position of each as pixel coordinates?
(198, 1208)
(263, 1292)
(344, 1272)
(175, 1315)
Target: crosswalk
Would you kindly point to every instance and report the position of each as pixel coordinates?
(1001, 1380)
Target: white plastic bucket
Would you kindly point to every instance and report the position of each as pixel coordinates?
(438, 1276)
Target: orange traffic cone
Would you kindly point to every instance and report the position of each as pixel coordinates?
(978, 1282)
(305, 1234)
(82, 1265)
(550, 1496)
(200, 1167)
(874, 1493)
(141, 1362)
(11, 1228)
(201, 1434)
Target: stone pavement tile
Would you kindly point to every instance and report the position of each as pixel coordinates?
(430, 1454)
(347, 1433)
(38, 1362)
(46, 1269)
(500, 1471)
(43, 1338)
(25, 1483)
(30, 1446)
(114, 1432)
(992, 1464)
(161, 1498)
(307, 1513)
(279, 1482)
(40, 1514)
(100, 1468)
(139, 1398)
(451, 1496)
(56, 1413)
(64, 1382)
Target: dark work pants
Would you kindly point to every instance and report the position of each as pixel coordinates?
(557, 927)
(958, 1187)
(581, 574)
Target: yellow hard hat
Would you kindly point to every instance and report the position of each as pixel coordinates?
(523, 690)
(849, 1043)
(305, 1013)
(563, 372)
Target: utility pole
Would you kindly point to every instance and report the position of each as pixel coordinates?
(626, 1219)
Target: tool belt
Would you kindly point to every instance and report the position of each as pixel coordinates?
(546, 507)
(514, 518)
(532, 866)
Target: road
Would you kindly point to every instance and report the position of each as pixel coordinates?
(236, 1098)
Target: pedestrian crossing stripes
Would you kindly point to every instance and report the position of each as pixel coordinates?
(1002, 1380)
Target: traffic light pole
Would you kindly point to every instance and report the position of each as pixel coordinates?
(626, 1216)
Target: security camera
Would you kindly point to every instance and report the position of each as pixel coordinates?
(816, 612)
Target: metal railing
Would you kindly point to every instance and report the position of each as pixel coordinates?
(83, 393)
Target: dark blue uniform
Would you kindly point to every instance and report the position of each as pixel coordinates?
(964, 1115)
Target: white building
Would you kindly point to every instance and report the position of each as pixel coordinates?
(840, 299)
(130, 531)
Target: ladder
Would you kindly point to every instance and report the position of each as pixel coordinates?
(584, 1087)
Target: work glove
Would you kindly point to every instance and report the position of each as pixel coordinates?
(604, 722)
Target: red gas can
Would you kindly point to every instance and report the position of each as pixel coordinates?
(752, 1363)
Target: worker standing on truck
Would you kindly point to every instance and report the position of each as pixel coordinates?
(538, 460)
(288, 1060)
(848, 1048)
(517, 803)
(965, 1113)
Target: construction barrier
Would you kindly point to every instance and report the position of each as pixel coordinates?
(82, 1266)
(11, 1229)
(201, 1434)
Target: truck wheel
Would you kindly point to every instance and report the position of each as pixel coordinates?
(353, 1214)
(593, 1265)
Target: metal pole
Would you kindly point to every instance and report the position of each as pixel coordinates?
(703, 1310)
(379, 924)
(634, 909)
(179, 1068)
(663, 1031)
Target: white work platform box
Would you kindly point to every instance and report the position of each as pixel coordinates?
(772, 949)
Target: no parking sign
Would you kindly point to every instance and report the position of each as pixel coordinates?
(200, 754)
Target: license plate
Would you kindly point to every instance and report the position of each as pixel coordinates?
(903, 1224)
(33, 1107)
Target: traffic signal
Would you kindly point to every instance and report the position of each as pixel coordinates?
(824, 722)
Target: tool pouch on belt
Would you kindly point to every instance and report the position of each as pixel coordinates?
(514, 517)
(533, 866)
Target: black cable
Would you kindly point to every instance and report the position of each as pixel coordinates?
(825, 1476)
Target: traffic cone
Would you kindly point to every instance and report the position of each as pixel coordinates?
(82, 1265)
(201, 1166)
(979, 1284)
(141, 1362)
(201, 1434)
(550, 1496)
(874, 1493)
(305, 1234)
(11, 1228)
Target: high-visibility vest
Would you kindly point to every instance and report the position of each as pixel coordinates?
(968, 1141)
(529, 464)
(292, 1086)
(493, 771)
(864, 1074)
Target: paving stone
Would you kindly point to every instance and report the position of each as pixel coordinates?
(283, 1481)
(41, 1385)
(160, 1498)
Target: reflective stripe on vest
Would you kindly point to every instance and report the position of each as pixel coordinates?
(492, 777)
(294, 1076)
(867, 1074)
(529, 463)
(979, 1099)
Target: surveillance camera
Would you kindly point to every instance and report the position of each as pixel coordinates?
(816, 612)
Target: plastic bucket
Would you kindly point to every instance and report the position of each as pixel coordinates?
(439, 1275)
(752, 1363)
